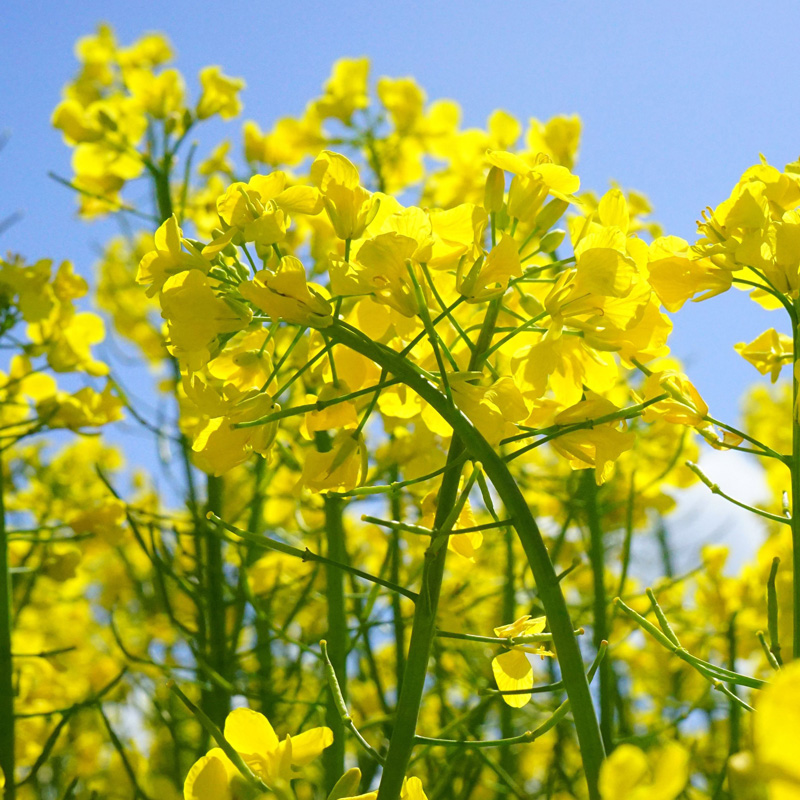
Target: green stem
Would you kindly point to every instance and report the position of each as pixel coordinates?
(795, 472)
(734, 712)
(307, 555)
(422, 633)
(710, 672)
(544, 574)
(528, 736)
(340, 706)
(336, 651)
(6, 663)
(423, 629)
(218, 699)
(396, 507)
(770, 656)
(714, 489)
(508, 758)
(772, 612)
(588, 490)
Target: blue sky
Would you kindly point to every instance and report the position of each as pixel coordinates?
(677, 99)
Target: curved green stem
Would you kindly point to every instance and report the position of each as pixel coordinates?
(544, 574)
(336, 651)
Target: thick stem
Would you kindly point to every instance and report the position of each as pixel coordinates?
(422, 635)
(218, 699)
(588, 491)
(423, 629)
(6, 663)
(566, 645)
(337, 637)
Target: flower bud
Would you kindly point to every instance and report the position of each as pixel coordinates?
(551, 214)
(495, 190)
(552, 240)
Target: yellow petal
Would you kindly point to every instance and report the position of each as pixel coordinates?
(308, 745)
(777, 725)
(208, 779)
(670, 772)
(513, 671)
(412, 790)
(250, 732)
(622, 772)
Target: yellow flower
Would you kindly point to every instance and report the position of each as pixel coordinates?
(220, 94)
(403, 99)
(86, 408)
(220, 445)
(169, 257)
(629, 774)
(512, 670)
(488, 279)
(289, 141)
(684, 406)
(380, 268)
(776, 731)
(345, 91)
(285, 294)
(341, 469)
(275, 762)
(768, 352)
(68, 338)
(334, 416)
(412, 790)
(258, 210)
(159, 95)
(597, 446)
(677, 277)
(559, 138)
(533, 182)
(349, 205)
(196, 315)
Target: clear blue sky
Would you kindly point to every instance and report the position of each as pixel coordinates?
(677, 98)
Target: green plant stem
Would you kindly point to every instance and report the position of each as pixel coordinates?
(550, 594)
(588, 490)
(772, 612)
(218, 699)
(508, 641)
(714, 489)
(770, 656)
(306, 555)
(710, 672)
(423, 628)
(734, 711)
(337, 638)
(7, 763)
(422, 633)
(340, 706)
(508, 758)
(398, 624)
(795, 472)
(528, 736)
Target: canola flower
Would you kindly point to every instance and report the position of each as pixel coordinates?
(273, 761)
